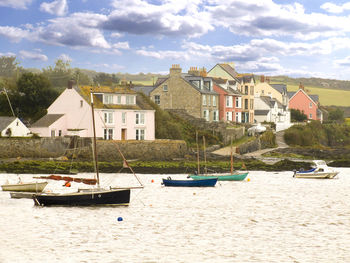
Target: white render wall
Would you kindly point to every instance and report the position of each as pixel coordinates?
(18, 129)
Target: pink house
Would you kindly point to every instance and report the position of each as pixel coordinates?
(308, 104)
(230, 101)
(120, 114)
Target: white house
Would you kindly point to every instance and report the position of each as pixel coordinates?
(13, 127)
(267, 109)
(120, 114)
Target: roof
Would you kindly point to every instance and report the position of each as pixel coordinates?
(271, 101)
(84, 91)
(47, 120)
(220, 80)
(261, 112)
(5, 121)
(230, 70)
(281, 88)
(290, 94)
(144, 89)
(245, 78)
(314, 98)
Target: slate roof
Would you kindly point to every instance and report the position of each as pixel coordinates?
(281, 88)
(5, 121)
(261, 112)
(47, 120)
(315, 98)
(290, 94)
(144, 89)
(230, 70)
(245, 77)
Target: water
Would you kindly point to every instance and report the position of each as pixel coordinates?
(271, 218)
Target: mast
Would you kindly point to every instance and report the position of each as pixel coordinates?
(198, 167)
(231, 158)
(94, 141)
(205, 156)
(8, 99)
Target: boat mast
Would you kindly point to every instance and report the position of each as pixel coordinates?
(8, 99)
(205, 156)
(231, 158)
(94, 143)
(198, 167)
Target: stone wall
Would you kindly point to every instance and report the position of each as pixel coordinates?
(80, 148)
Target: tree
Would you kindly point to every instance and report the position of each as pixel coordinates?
(8, 66)
(81, 78)
(297, 115)
(60, 74)
(336, 115)
(106, 79)
(35, 95)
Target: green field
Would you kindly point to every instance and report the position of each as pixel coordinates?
(328, 97)
(347, 121)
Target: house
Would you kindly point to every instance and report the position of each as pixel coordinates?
(13, 127)
(230, 100)
(120, 114)
(276, 91)
(269, 109)
(192, 92)
(306, 103)
(245, 84)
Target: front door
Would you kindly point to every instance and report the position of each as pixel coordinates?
(123, 134)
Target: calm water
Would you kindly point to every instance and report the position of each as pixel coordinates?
(271, 218)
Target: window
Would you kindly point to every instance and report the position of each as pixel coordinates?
(262, 92)
(228, 116)
(238, 102)
(140, 118)
(119, 99)
(108, 117)
(209, 100)
(165, 88)
(237, 117)
(310, 105)
(130, 99)
(123, 117)
(107, 99)
(157, 99)
(204, 100)
(246, 104)
(251, 104)
(206, 115)
(310, 116)
(251, 90)
(140, 134)
(108, 134)
(215, 115)
(229, 101)
(214, 101)
(60, 133)
(246, 90)
(81, 103)
(53, 133)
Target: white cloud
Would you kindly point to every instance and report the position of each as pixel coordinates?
(116, 35)
(345, 62)
(17, 4)
(15, 34)
(32, 55)
(334, 8)
(7, 54)
(65, 57)
(179, 55)
(121, 45)
(57, 7)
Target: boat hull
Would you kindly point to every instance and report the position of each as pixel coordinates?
(26, 187)
(329, 175)
(224, 177)
(108, 197)
(190, 183)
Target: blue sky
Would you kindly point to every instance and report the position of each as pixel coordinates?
(281, 37)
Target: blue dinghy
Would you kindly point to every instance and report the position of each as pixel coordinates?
(190, 183)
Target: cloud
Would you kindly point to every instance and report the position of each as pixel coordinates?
(170, 18)
(345, 62)
(32, 55)
(167, 54)
(7, 54)
(121, 45)
(336, 9)
(17, 4)
(116, 35)
(65, 57)
(57, 7)
(14, 34)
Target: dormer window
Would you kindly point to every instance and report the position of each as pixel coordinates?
(107, 99)
(165, 88)
(119, 99)
(130, 99)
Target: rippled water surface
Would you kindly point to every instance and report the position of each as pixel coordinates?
(272, 217)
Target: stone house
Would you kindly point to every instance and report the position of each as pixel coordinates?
(192, 92)
(120, 114)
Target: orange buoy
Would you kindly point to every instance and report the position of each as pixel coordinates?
(152, 181)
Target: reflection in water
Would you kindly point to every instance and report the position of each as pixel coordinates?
(272, 218)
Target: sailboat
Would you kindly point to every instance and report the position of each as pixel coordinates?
(232, 176)
(88, 197)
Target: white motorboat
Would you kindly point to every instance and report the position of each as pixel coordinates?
(320, 170)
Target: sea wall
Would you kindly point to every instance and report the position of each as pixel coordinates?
(80, 148)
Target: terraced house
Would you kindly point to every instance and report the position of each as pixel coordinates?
(192, 92)
(245, 85)
(119, 114)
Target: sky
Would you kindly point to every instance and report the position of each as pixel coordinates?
(282, 37)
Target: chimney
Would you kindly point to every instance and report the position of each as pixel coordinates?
(175, 70)
(268, 80)
(194, 71)
(71, 83)
(301, 86)
(262, 78)
(203, 72)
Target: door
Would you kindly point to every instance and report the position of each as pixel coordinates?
(123, 134)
